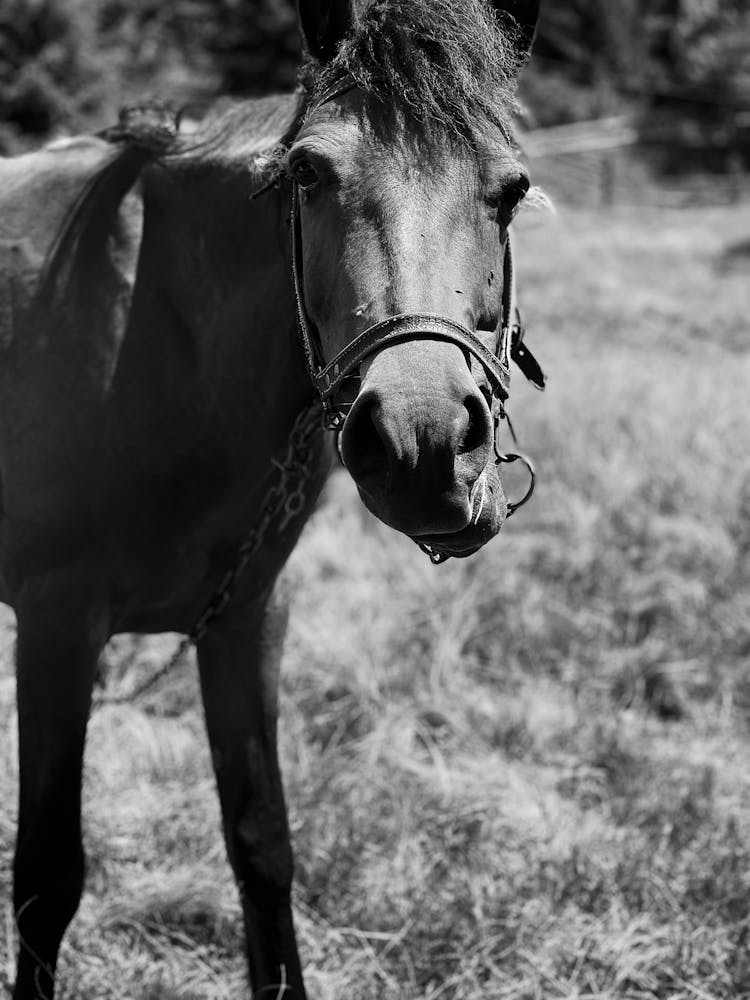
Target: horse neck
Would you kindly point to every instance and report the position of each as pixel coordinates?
(213, 307)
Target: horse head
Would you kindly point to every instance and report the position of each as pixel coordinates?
(406, 179)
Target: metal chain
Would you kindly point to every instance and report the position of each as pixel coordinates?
(285, 500)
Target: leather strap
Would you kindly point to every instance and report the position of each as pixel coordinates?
(525, 360)
(404, 327)
(313, 353)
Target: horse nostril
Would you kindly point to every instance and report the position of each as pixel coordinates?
(363, 448)
(477, 426)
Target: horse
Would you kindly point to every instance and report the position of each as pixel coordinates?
(178, 310)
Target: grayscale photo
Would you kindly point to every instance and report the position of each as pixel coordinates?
(374, 500)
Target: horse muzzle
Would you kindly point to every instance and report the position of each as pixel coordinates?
(418, 442)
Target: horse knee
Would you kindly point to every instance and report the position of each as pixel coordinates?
(263, 852)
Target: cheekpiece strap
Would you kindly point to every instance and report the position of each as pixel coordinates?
(312, 355)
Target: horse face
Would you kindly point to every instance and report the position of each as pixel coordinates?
(390, 227)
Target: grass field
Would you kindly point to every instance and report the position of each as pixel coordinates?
(522, 776)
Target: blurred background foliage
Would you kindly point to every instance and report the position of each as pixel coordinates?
(67, 65)
(593, 57)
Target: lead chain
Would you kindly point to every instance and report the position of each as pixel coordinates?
(279, 498)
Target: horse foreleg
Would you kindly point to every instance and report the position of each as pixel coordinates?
(59, 640)
(239, 663)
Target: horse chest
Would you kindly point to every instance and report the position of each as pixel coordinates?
(172, 553)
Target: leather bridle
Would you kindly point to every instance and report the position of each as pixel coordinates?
(328, 375)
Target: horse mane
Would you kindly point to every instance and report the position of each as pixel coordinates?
(242, 134)
(233, 135)
(141, 137)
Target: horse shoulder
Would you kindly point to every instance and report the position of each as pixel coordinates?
(70, 228)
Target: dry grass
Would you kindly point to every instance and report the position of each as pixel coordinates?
(523, 776)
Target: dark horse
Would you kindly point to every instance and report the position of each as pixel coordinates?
(160, 429)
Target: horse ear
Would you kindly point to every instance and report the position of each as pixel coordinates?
(324, 24)
(526, 14)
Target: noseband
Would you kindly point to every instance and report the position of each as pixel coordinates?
(328, 375)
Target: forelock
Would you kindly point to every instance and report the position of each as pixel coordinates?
(451, 66)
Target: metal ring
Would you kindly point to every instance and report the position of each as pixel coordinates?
(436, 556)
(333, 418)
(509, 459)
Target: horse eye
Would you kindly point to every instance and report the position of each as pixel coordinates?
(514, 194)
(305, 174)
